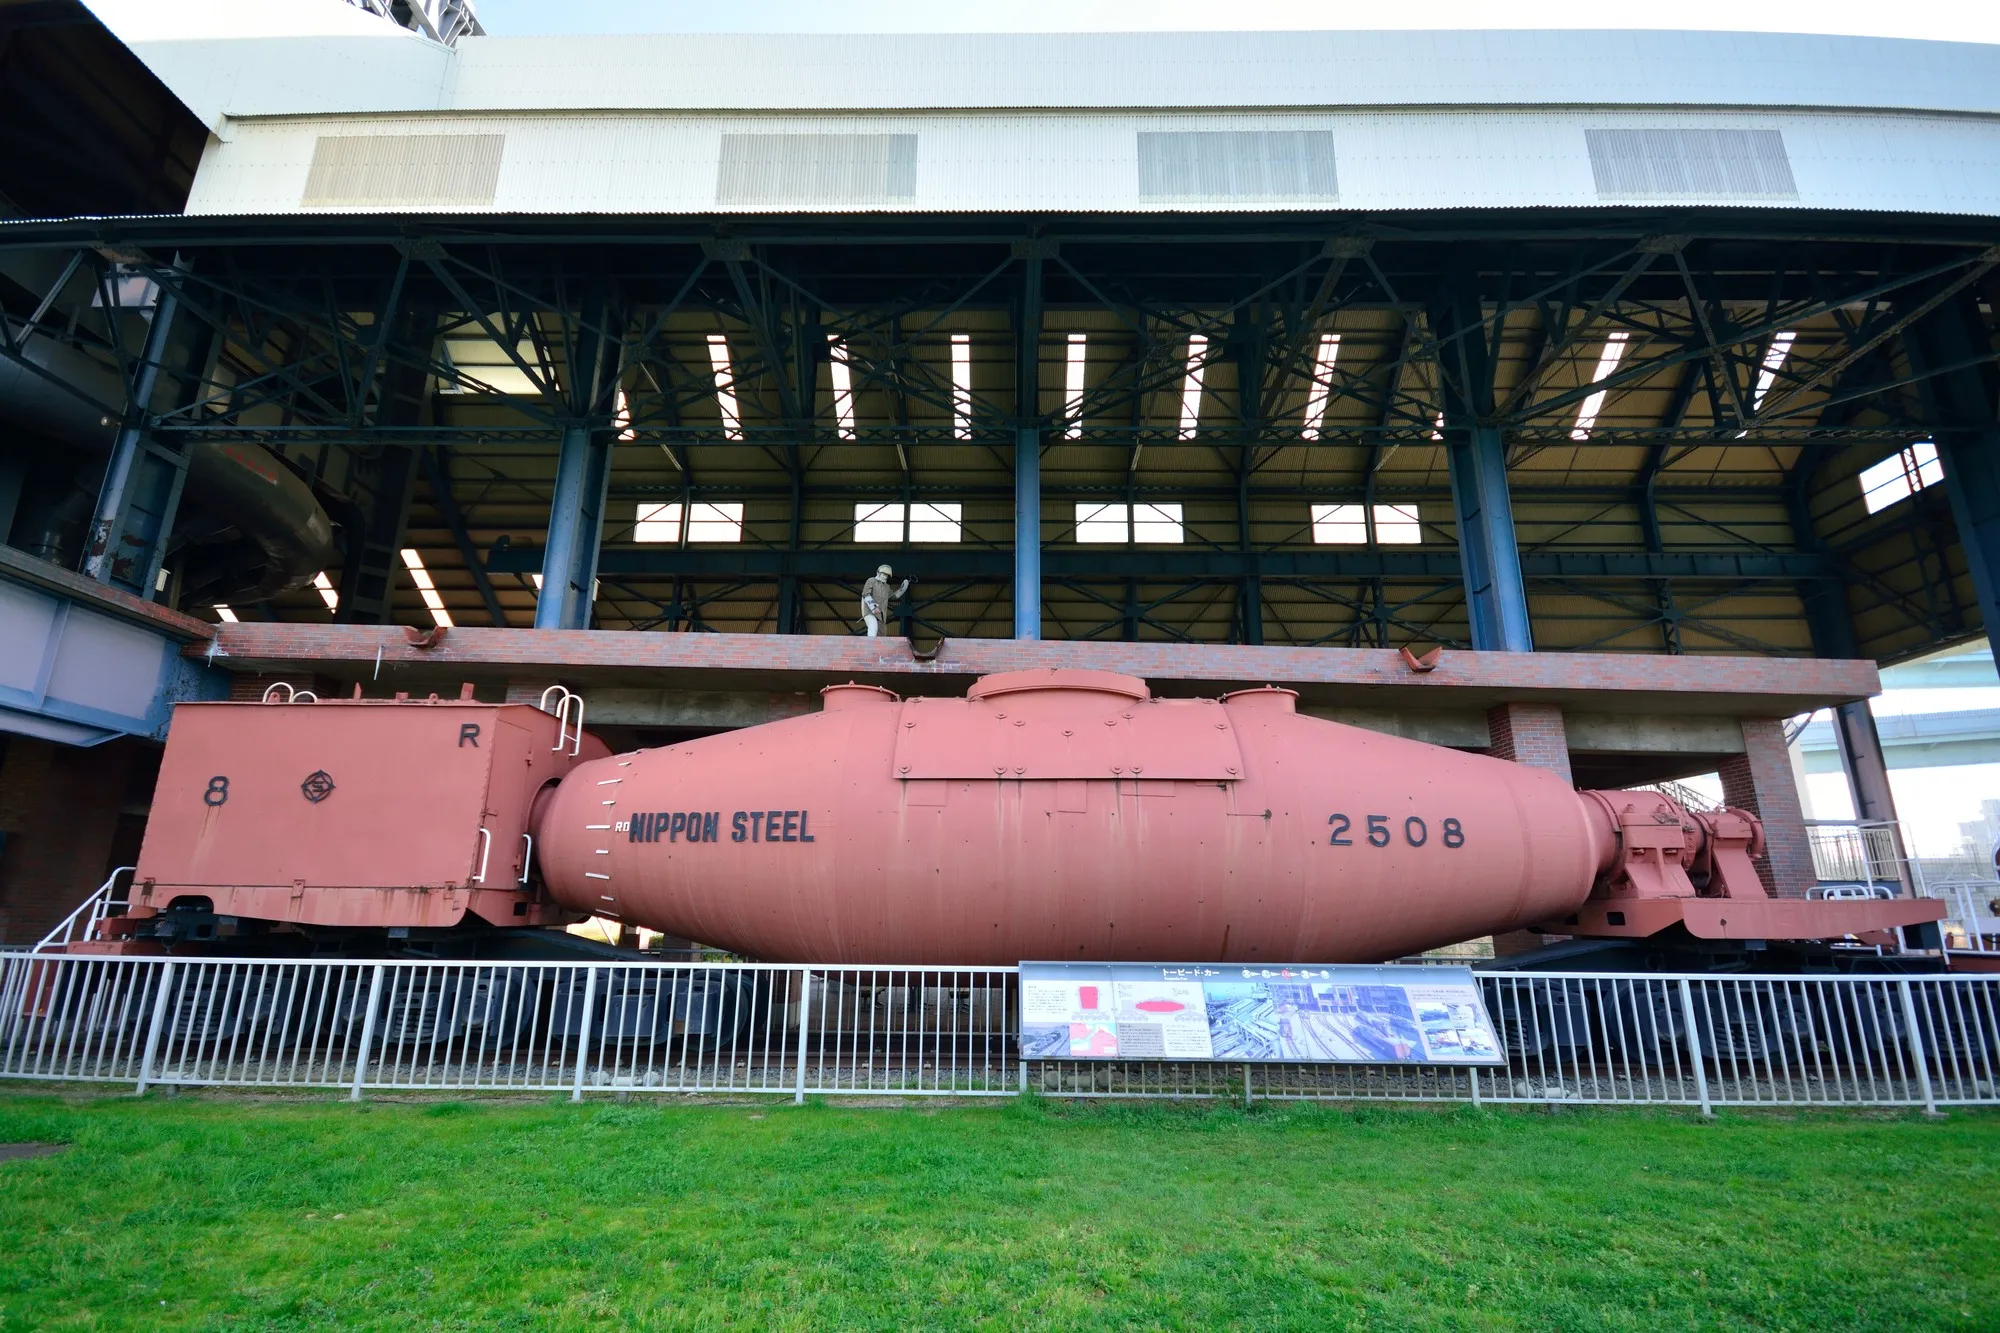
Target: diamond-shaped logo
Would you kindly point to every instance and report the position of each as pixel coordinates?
(317, 787)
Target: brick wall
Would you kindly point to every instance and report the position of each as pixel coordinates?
(70, 815)
(1760, 780)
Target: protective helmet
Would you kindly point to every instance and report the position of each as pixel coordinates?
(884, 571)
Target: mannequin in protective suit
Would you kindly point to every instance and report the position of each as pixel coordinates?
(876, 596)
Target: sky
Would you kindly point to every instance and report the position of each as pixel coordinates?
(1945, 20)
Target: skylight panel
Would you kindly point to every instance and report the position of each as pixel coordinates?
(1321, 392)
(420, 576)
(1073, 386)
(1900, 475)
(224, 614)
(657, 522)
(1197, 363)
(326, 591)
(725, 386)
(1607, 362)
(961, 386)
(842, 373)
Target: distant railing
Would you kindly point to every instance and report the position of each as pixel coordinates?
(755, 1029)
(1847, 851)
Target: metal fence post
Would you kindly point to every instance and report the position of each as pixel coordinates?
(1916, 1040)
(153, 1028)
(367, 1033)
(1246, 1085)
(805, 1014)
(1474, 1071)
(1694, 1046)
(583, 1033)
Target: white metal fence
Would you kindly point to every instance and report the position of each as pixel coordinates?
(739, 1028)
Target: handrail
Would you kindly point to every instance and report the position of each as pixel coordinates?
(92, 910)
(564, 698)
(485, 852)
(527, 857)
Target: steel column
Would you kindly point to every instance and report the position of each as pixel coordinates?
(583, 479)
(1496, 598)
(142, 486)
(1028, 448)
(1968, 441)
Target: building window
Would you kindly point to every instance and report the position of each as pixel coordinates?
(1607, 363)
(1774, 361)
(1900, 475)
(1073, 387)
(961, 386)
(725, 386)
(1347, 525)
(880, 524)
(486, 363)
(1118, 523)
(1321, 392)
(706, 522)
(1197, 365)
(841, 370)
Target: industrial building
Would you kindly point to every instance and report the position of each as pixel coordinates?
(1594, 400)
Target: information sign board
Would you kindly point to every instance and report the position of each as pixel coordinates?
(1322, 1013)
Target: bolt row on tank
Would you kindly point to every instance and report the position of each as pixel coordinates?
(1050, 814)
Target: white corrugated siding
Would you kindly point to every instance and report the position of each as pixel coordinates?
(1087, 161)
(265, 76)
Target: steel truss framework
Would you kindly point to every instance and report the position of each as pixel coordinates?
(1710, 501)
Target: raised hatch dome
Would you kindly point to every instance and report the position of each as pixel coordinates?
(1059, 678)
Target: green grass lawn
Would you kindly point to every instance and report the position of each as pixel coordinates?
(239, 1213)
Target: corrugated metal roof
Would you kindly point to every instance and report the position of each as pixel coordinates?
(1090, 162)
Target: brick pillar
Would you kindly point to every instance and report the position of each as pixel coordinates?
(1527, 734)
(1760, 780)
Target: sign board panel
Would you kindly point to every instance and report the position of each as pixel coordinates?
(1322, 1013)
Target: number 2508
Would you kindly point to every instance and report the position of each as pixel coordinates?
(1415, 832)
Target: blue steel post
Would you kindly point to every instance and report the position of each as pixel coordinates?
(142, 482)
(1028, 449)
(1496, 597)
(1951, 345)
(583, 479)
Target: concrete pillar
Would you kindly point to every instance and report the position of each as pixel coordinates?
(1496, 598)
(1760, 780)
(1530, 734)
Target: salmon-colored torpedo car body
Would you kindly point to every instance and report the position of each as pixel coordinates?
(1048, 814)
(1069, 814)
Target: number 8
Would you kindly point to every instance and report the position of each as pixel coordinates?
(1454, 833)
